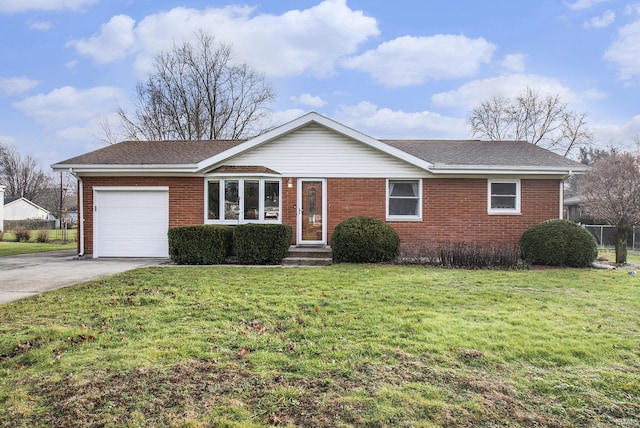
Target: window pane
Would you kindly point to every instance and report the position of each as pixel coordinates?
(231, 200)
(407, 207)
(503, 202)
(403, 188)
(271, 200)
(504, 189)
(251, 200)
(213, 211)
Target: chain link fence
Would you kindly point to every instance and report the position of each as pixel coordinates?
(606, 235)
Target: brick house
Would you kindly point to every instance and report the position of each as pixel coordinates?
(312, 173)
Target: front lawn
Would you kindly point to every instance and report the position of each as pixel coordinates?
(343, 345)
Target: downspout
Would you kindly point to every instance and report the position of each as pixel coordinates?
(80, 212)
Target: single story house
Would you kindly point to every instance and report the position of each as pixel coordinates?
(24, 209)
(312, 173)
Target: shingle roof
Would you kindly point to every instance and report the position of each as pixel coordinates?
(154, 153)
(482, 153)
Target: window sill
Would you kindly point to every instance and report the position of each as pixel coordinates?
(406, 219)
(504, 213)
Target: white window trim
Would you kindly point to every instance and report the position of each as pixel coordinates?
(504, 211)
(404, 217)
(261, 184)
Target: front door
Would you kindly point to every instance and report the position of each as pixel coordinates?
(312, 212)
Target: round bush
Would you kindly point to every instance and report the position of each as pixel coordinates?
(558, 243)
(364, 240)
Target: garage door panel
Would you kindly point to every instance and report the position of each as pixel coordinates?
(131, 223)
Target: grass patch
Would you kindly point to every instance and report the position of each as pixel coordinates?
(15, 248)
(8, 246)
(344, 345)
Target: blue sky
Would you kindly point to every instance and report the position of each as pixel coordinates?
(390, 69)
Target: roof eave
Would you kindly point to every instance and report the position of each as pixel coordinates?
(84, 168)
(505, 169)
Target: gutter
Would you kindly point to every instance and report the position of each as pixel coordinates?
(80, 212)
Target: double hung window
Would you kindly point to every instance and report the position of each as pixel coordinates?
(236, 200)
(404, 199)
(504, 197)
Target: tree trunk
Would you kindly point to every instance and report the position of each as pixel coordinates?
(621, 245)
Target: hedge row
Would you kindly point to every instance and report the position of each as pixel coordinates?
(254, 244)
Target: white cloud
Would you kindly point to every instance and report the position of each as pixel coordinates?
(308, 100)
(16, 85)
(39, 25)
(624, 52)
(594, 94)
(603, 21)
(618, 135)
(68, 107)
(11, 6)
(584, 4)
(298, 41)
(115, 41)
(632, 9)
(412, 60)
(386, 123)
(473, 93)
(514, 62)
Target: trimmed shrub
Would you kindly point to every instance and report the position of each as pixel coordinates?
(261, 244)
(200, 244)
(364, 240)
(558, 243)
(43, 236)
(22, 234)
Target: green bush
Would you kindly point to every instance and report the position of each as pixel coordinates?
(364, 240)
(200, 244)
(558, 243)
(261, 244)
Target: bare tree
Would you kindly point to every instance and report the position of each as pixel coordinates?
(543, 121)
(611, 191)
(21, 175)
(197, 91)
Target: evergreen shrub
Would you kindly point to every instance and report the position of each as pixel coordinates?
(199, 244)
(364, 239)
(261, 244)
(558, 243)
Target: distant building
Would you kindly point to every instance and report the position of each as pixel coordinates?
(24, 209)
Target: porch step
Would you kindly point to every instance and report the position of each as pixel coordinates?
(308, 256)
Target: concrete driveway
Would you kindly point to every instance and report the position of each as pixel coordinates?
(29, 274)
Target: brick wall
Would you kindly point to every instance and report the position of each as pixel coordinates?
(454, 209)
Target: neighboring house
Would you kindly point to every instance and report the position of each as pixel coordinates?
(24, 209)
(312, 173)
(2, 209)
(572, 210)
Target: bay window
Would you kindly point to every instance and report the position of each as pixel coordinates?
(239, 200)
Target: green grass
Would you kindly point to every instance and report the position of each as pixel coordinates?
(8, 246)
(339, 346)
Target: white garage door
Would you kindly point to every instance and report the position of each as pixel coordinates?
(131, 222)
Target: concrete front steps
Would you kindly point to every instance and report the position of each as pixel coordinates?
(308, 256)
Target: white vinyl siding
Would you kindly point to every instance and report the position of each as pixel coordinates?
(315, 151)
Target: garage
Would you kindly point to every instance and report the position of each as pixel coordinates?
(131, 221)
